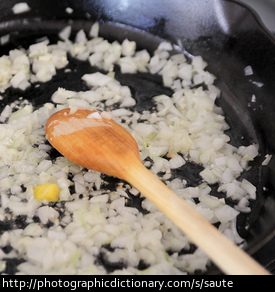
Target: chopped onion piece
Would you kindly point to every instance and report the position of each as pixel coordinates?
(21, 7)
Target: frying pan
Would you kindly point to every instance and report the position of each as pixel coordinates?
(226, 34)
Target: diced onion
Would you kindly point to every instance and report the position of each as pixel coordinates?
(87, 223)
(21, 7)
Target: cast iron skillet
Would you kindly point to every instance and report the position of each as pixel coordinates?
(226, 34)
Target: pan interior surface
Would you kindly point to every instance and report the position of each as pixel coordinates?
(242, 112)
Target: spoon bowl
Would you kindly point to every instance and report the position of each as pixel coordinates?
(93, 141)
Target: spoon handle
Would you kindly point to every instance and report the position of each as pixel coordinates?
(224, 253)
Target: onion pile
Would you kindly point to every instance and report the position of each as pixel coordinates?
(92, 229)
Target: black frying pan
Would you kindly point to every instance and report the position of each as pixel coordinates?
(227, 35)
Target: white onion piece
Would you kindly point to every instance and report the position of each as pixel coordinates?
(21, 7)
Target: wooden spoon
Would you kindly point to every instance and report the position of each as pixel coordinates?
(94, 141)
